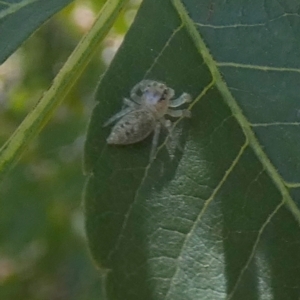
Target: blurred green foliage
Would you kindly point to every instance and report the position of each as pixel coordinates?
(43, 253)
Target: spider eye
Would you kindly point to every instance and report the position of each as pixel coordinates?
(164, 95)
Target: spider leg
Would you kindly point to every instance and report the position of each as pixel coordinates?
(167, 124)
(172, 139)
(171, 93)
(184, 98)
(179, 113)
(118, 115)
(129, 103)
(155, 141)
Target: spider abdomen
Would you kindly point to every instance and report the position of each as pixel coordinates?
(132, 128)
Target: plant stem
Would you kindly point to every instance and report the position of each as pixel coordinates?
(38, 117)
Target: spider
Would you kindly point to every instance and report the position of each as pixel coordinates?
(145, 112)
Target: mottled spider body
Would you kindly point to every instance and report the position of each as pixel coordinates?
(132, 128)
(150, 102)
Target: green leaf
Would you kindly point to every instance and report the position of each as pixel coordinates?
(221, 219)
(19, 19)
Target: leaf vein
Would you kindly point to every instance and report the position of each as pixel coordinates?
(236, 110)
(260, 232)
(229, 26)
(205, 206)
(256, 67)
(163, 49)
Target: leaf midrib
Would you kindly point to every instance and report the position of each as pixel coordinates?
(234, 107)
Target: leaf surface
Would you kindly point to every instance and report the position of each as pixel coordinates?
(19, 19)
(221, 219)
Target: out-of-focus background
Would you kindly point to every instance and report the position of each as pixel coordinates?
(43, 253)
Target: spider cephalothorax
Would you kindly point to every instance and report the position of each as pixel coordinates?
(145, 112)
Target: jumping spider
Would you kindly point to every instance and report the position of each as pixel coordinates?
(145, 112)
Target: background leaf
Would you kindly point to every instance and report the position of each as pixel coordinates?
(11, 151)
(43, 253)
(18, 19)
(220, 220)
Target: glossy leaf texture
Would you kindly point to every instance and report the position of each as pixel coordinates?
(220, 220)
(19, 19)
